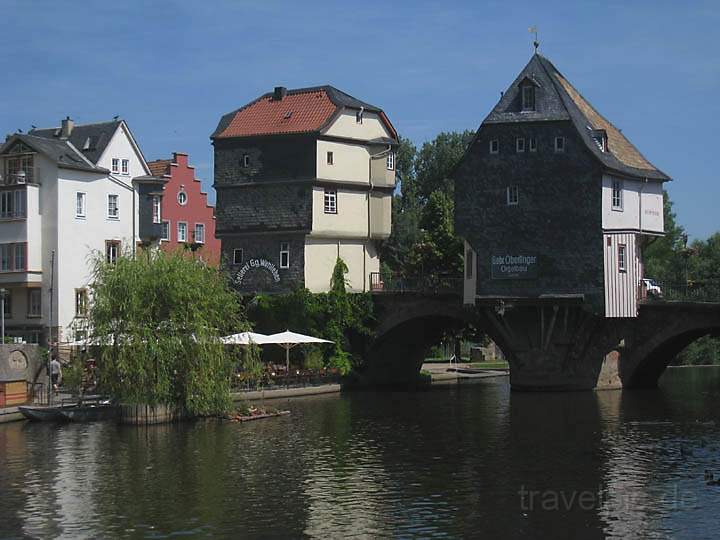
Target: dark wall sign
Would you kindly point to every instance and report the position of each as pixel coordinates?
(514, 266)
(259, 264)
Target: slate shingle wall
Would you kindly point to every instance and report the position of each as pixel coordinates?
(558, 217)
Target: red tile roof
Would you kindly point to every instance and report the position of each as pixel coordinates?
(299, 112)
(159, 167)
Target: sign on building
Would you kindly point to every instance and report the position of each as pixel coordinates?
(257, 264)
(514, 267)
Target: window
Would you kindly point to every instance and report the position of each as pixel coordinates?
(330, 158)
(532, 144)
(13, 204)
(182, 198)
(512, 195)
(469, 263)
(237, 256)
(112, 250)
(390, 161)
(494, 146)
(182, 231)
(125, 166)
(200, 233)
(156, 209)
(284, 255)
(528, 98)
(34, 303)
(330, 201)
(7, 304)
(245, 161)
(165, 231)
(5, 257)
(559, 144)
(16, 167)
(19, 257)
(81, 302)
(113, 211)
(617, 195)
(80, 204)
(115, 165)
(622, 249)
(520, 144)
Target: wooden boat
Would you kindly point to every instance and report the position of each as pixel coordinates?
(42, 413)
(89, 412)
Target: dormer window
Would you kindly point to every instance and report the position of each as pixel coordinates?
(528, 98)
(600, 138)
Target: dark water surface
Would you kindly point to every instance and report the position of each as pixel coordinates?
(471, 460)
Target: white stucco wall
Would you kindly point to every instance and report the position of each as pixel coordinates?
(351, 220)
(346, 126)
(351, 162)
(651, 209)
(321, 254)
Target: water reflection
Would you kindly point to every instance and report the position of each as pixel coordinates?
(452, 461)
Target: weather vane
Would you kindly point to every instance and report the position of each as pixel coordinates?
(536, 43)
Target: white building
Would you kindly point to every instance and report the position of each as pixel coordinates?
(76, 191)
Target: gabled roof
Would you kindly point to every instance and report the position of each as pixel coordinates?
(90, 139)
(62, 152)
(557, 99)
(302, 110)
(159, 167)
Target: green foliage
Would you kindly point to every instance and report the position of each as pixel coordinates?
(72, 374)
(162, 314)
(337, 316)
(250, 361)
(313, 359)
(664, 257)
(704, 351)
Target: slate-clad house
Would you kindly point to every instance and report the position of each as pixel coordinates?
(77, 190)
(552, 199)
(303, 177)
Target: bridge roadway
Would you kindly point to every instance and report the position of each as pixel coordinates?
(550, 343)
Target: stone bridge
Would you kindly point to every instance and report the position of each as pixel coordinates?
(550, 343)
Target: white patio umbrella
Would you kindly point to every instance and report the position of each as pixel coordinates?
(244, 338)
(287, 340)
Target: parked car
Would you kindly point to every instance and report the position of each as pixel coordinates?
(652, 288)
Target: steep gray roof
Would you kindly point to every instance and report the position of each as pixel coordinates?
(90, 139)
(557, 99)
(60, 151)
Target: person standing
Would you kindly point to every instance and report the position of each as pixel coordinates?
(55, 373)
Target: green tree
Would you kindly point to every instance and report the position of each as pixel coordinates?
(436, 160)
(162, 315)
(663, 258)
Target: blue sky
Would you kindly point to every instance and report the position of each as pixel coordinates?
(171, 69)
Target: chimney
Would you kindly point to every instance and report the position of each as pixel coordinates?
(279, 93)
(67, 127)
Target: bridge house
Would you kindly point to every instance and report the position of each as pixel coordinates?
(554, 201)
(303, 177)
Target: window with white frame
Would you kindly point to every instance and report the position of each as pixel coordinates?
(156, 209)
(165, 231)
(81, 302)
(34, 304)
(115, 165)
(112, 251)
(330, 158)
(80, 199)
(528, 98)
(182, 198)
(520, 144)
(513, 195)
(284, 254)
(494, 146)
(182, 231)
(330, 201)
(622, 258)
(200, 233)
(19, 257)
(617, 194)
(559, 144)
(113, 209)
(125, 166)
(13, 204)
(237, 256)
(390, 161)
(13, 257)
(532, 144)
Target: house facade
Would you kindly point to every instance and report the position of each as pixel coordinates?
(188, 221)
(69, 194)
(303, 177)
(553, 200)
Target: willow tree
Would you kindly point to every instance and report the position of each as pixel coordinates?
(159, 317)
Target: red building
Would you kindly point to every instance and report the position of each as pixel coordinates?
(187, 218)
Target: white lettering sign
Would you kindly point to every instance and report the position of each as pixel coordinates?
(257, 263)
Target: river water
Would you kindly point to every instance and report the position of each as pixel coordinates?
(464, 460)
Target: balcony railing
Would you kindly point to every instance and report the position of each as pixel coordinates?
(28, 175)
(690, 291)
(426, 284)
